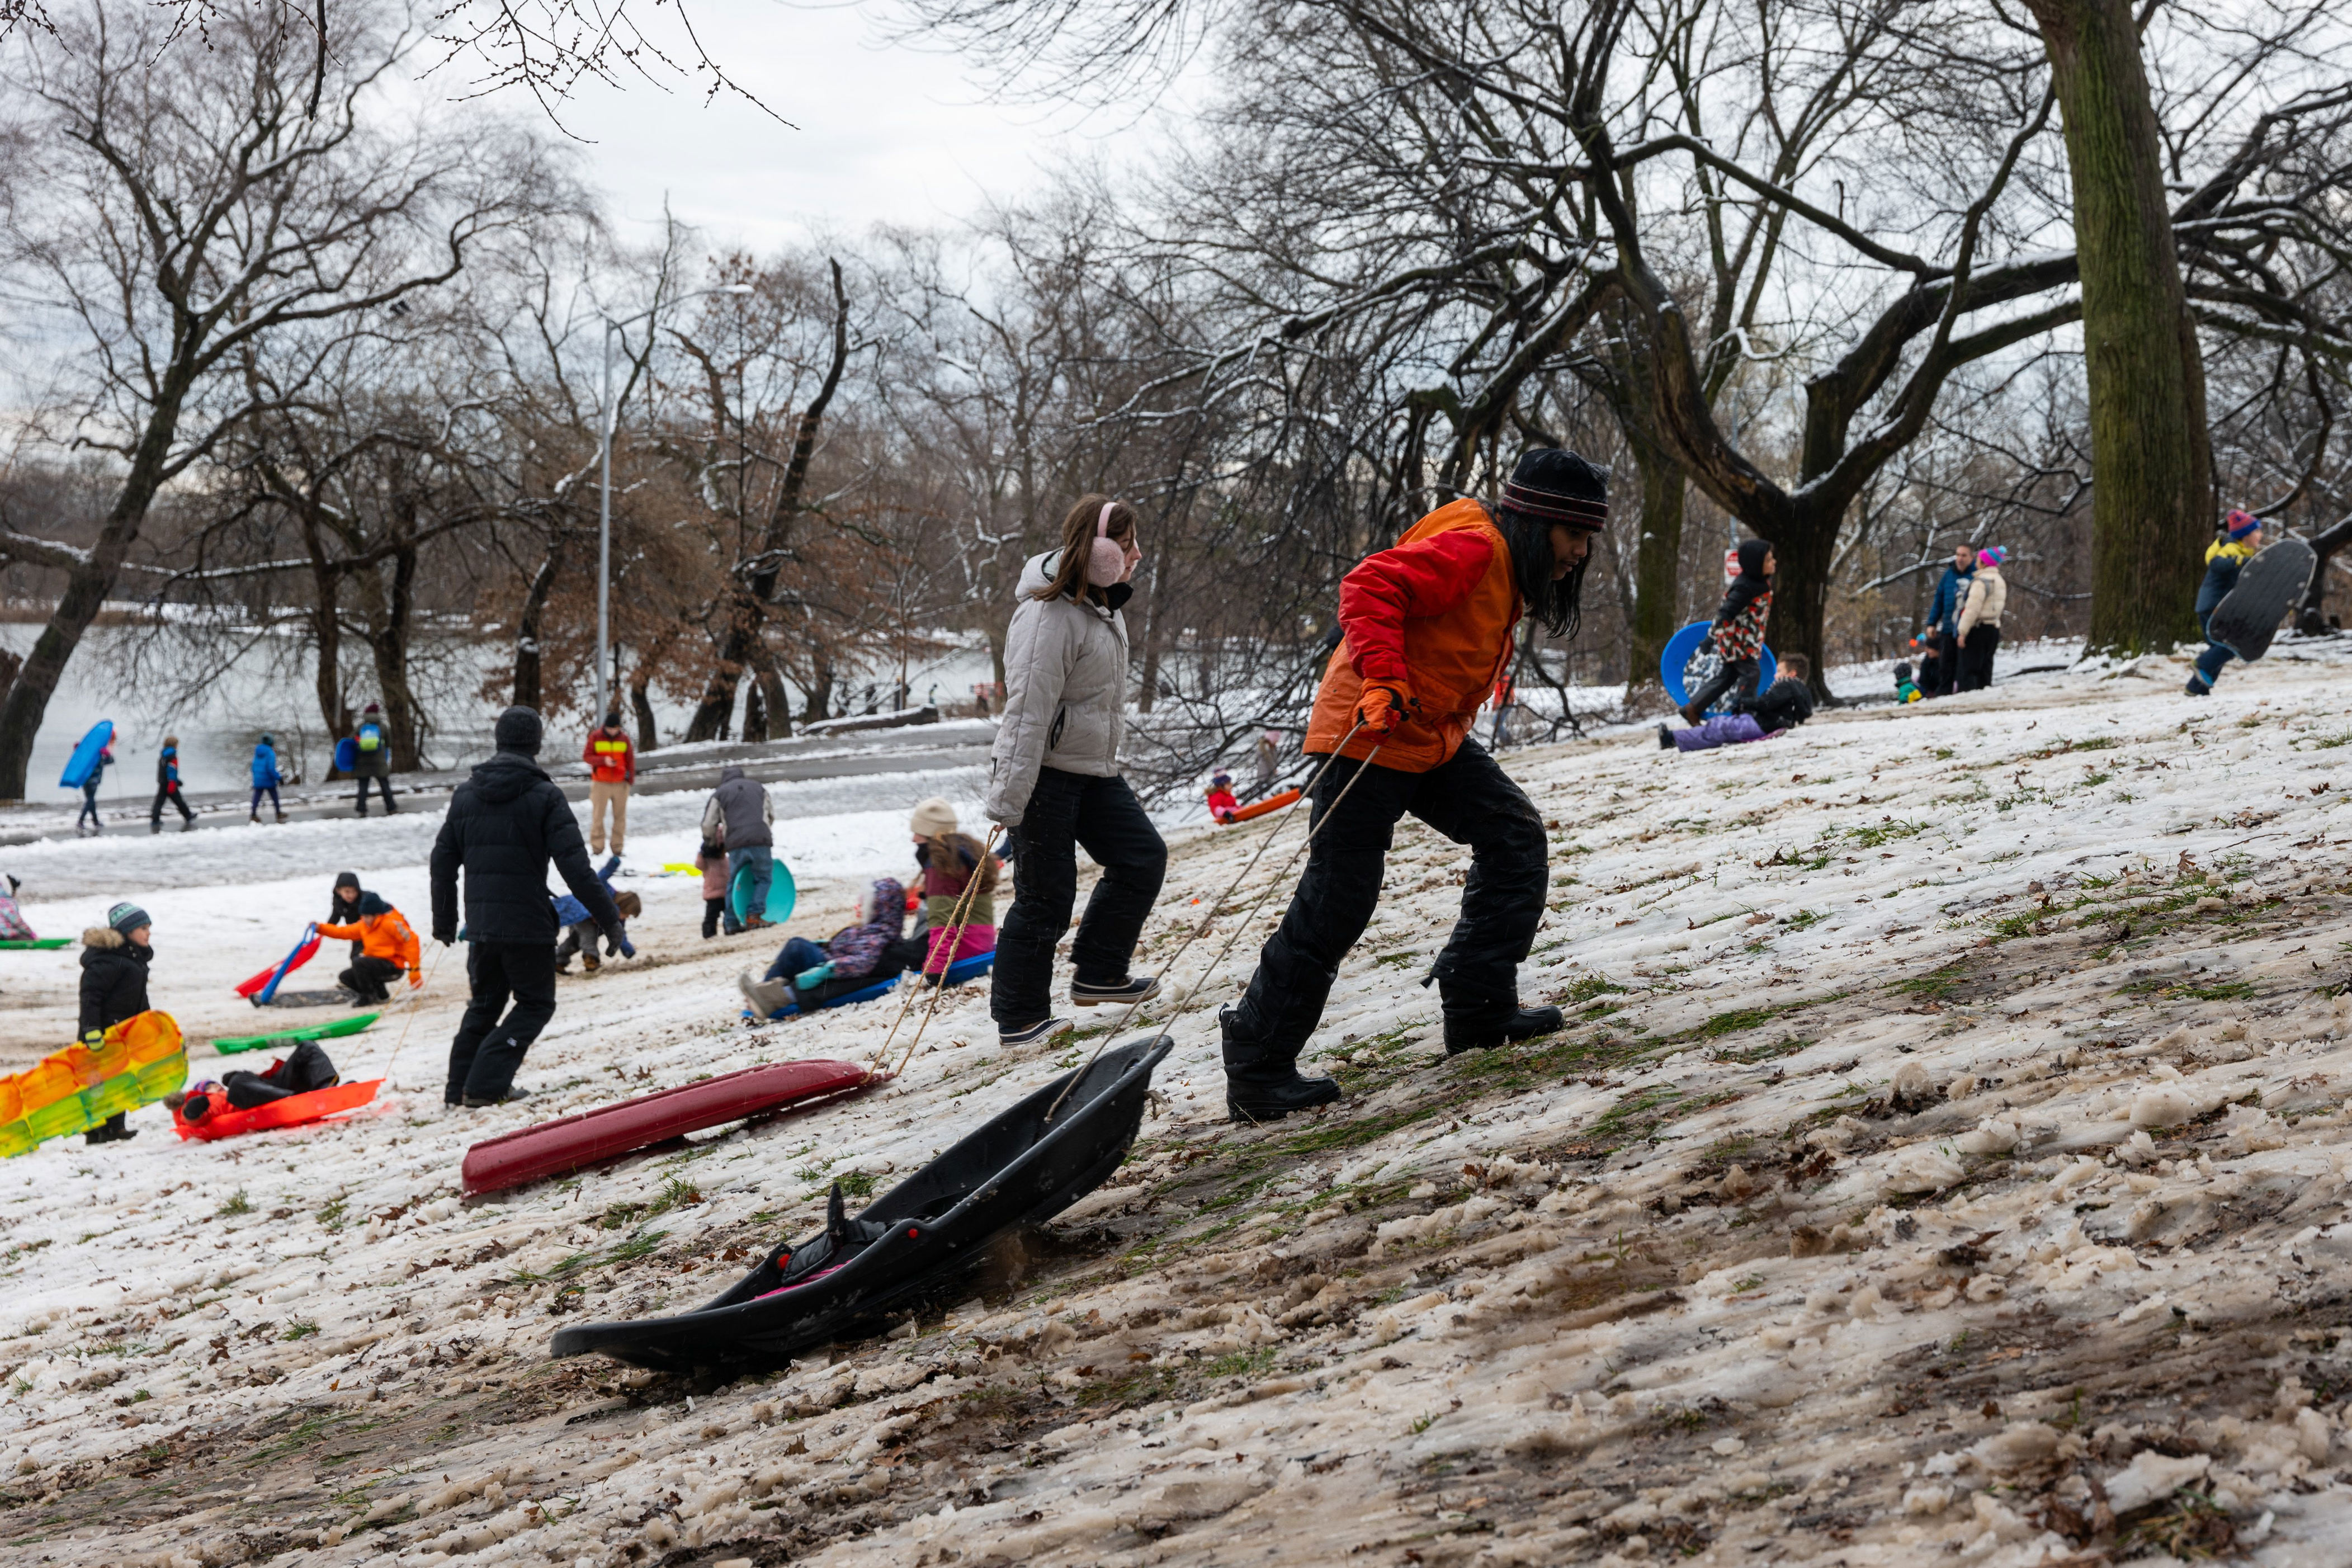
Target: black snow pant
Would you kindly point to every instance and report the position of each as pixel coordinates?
(1948, 665)
(383, 784)
(1470, 800)
(489, 1051)
(1742, 673)
(369, 978)
(711, 910)
(1066, 810)
(155, 811)
(1975, 658)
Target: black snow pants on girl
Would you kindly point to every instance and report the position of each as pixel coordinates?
(1470, 800)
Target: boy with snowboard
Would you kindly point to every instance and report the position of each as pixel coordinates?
(1789, 703)
(1738, 635)
(2241, 536)
(1427, 628)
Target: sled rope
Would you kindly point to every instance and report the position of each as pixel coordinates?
(1185, 1001)
(955, 938)
(414, 997)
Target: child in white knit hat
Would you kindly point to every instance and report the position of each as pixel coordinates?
(947, 859)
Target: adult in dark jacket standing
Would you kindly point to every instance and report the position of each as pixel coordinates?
(506, 822)
(114, 958)
(740, 816)
(1944, 621)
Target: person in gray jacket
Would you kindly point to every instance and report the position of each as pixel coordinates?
(1054, 779)
(740, 814)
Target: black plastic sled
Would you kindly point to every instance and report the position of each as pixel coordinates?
(923, 1237)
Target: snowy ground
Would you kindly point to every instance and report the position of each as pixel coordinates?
(1947, 1158)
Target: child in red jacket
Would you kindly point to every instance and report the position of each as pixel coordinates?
(1222, 802)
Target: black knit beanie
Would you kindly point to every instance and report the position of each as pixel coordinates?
(518, 731)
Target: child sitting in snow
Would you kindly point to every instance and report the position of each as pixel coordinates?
(1789, 703)
(946, 861)
(1221, 803)
(853, 958)
(579, 926)
(1905, 688)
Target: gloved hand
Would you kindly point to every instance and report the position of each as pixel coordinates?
(444, 937)
(810, 979)
(628, 949)
(1386, 705)
(416, 978)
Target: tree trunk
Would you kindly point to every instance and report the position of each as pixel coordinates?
(2311, 615)
(87, 585)
(775, 699)
(820, 693)
(718, 705)
(2152, 507)
(389, 643)
(1657, 563)
(1802, 551)
(641, 703)
(755, 714)
(527, 664)
(1155, 619)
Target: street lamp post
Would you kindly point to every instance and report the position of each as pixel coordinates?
(612, 415)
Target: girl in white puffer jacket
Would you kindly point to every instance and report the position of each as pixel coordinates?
(1054, 778)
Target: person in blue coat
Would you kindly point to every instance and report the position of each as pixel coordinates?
(89, 792)
(167, 787)
(2241, 535)
(265, 778)
(1939, 678)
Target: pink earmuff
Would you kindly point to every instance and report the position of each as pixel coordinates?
(1105, 561)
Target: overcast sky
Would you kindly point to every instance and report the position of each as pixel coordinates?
(884, 132)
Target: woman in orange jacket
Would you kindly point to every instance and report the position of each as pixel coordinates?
(387, 946)
(1428, 628)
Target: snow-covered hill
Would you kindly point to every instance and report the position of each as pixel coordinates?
(1947, 1157)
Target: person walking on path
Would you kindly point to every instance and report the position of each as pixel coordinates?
(167, 788)
(2240, 537)
(114, 958)
(1738, 634)
(742, 817)
(1428, 628)
(1943, 677)
(611, 773)
(1979, 628)
(1054, 780)
(506, 822)
(89, 793)
(373, 760)
(265, 778)
(388, 946)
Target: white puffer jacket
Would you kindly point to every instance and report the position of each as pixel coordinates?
(1066, 692)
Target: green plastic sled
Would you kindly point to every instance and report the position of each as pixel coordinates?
(334, 1030)
(19, 945)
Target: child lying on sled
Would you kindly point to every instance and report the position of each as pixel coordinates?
(809, 974)
(1788, 704)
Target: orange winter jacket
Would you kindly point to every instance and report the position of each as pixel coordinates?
(610, 758)
(386, 935)
(1435, 611)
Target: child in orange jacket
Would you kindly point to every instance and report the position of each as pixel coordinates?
(387, 946)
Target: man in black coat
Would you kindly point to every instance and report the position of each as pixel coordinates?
(114, 958)
(505, 824)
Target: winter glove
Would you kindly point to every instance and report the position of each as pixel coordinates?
(1387, 705)
(416, 978)
(810, 979)
(627, 949)
(443, 936)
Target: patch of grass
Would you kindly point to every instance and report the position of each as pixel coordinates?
(1885, 832)
(857, 1183)
(331, 1215)
(1397, 959)
(815, 1173)
(22, 1249)
(2329, 742)
(676, 1193)
(1241, 1364)
(300, 1329)
(1787, 1046)
(1804, 918)
(1936, 985)
(238, 1203)
(1586, 987)
(1423, 1424)
(1734, 1021)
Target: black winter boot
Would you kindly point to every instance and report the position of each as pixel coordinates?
(1524, 1024)
(1266, 1085)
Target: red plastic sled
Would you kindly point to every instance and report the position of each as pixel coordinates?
(1260, 807)
(294, 1110)
(304, 950)
(565, 1145)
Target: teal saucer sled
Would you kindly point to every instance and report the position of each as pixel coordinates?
(781, 894)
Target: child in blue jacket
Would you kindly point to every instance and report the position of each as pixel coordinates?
(2241, 535)
(265, 778)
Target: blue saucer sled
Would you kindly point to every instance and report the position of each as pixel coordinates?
(1687, 660)
(961, 969)
(85, 755)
